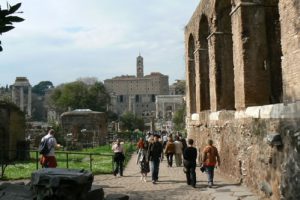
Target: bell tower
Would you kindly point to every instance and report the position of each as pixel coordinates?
(139, 67)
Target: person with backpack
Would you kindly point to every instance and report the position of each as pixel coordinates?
(169, 151)
(47, 149)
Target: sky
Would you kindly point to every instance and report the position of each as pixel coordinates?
(63, 40)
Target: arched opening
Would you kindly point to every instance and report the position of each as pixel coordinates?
(204, 64)
(191, 74)
(224, 57)
(273, 31)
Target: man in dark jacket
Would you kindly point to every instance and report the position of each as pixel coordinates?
(190, 156)
(154, 156)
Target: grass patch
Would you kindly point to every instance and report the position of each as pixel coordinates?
(101, 164)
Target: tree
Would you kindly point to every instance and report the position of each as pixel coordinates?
(42, 87)
(131, 122)
(6, 18)
(179, 119)
(80, 95)
(180, 87)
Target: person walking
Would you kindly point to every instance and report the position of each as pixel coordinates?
(144, 162)
(48, 160)
(119, 157)
(140, 144)
(190, 156)
(178, 152)
(210, 159)
(154, 156)
(169, 151)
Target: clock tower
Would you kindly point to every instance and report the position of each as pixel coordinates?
(139, 67)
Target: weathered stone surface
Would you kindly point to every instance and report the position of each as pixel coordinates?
(16, 192)
(96, 193)
(117, 197)
(255, 45)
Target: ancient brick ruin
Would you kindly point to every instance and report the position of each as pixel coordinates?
(242, 72)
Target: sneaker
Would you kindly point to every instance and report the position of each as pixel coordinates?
(154, 182)
(210, 184)
(142, 178)
(145, 180)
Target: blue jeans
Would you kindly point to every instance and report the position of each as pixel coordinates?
(210, 173)
(155, 169)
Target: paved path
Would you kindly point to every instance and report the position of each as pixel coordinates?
(171, 185)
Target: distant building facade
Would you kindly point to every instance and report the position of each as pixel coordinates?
(137, 94)
(166, 106)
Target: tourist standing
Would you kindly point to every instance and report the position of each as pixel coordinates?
(155, 155)
(178, 152)
(169, 151)
(48, 160)
(210, 159)
(119, 157)
(190, 156)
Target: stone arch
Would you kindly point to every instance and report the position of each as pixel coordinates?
(191, 75)
(204, 64)
(274, 52)
(224, 70)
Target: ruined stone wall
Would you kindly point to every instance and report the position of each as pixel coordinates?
(232, 47)
(12, 129)
(93, 123)
(248, 62)
(245, 154)
(290, 26)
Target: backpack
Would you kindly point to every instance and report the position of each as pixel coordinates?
(43, 148)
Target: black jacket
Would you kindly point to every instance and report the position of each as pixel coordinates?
(155, 151)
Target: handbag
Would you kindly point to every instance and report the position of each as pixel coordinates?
(202, 168)
(184, 169)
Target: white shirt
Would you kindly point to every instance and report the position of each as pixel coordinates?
(178, 147)
(51, 144)
(117, 149)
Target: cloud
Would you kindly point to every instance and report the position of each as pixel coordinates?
(63, 40)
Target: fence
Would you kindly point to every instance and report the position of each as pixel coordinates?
(28, 161)
(96, 162)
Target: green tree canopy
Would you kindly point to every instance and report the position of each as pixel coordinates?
(179, 119)
(42, 87)
(78, 95)
(7, 19)
(131, 122)
(180, 87)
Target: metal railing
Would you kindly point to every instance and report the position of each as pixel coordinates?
(14, 153)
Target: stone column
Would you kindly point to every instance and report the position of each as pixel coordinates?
(221, 71)
(22, 98)
(156, 108)
(249, 54)
(13, 94)
(29, 102)
(164, 112)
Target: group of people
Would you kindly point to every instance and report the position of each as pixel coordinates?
(150, 153)
(152, 150)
